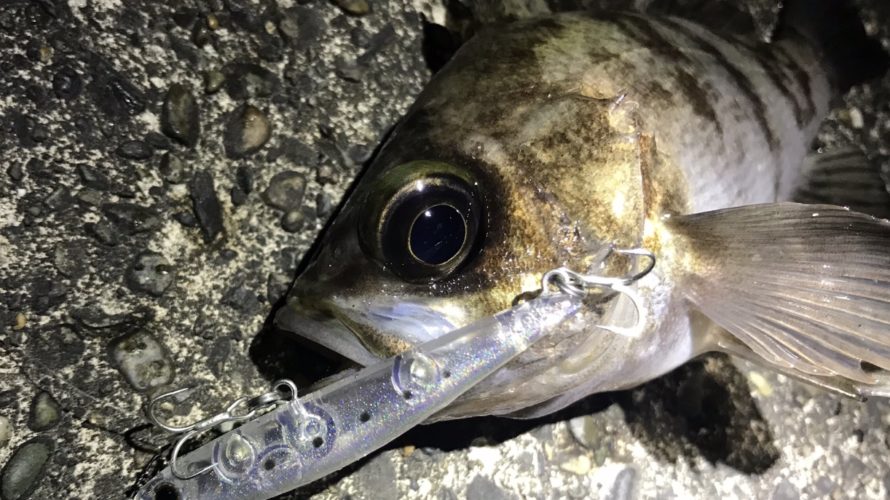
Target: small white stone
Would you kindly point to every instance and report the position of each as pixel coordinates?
(579, 465)
(5, 431)
(856, 119)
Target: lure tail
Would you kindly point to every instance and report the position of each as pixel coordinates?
(804, 287)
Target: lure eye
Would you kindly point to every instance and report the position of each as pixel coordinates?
(428, 227)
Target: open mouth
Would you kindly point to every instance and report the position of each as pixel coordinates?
(361, 331)
(323, 329)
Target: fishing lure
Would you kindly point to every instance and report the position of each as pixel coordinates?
(304, 439)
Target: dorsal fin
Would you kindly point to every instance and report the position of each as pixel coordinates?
(845, 178)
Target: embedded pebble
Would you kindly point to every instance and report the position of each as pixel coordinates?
(150, 273)
(116, 96)
(217, 355)
(595, 432)
(45, 412)
(483, 488)
(325, 174)
(59, 199)
(39, 133)
(103, 231)
(135, 150)
(157, 140)
(293, 221)
(90, 197)
(22, 473)
(206, 205)
(201, 34)
(92, 177)
(277, 285)
(5, 431)
(187, 219)
(244, 179)
(360, 37)
(324, 205)
(243, 185)
(95, 318)
(67, 83)
(247, 130)
(289, 27)
(213, 81)
(349, 69)
(624, 485)
(785, 491)
(243, 299)
(142, 360)
(245, 80)
(227, 254)
(285, 191)
(69, 258)
(172, 168)
(179, 116)
(353, 7)
(130, 218)
(59, 348)
(47, 293)
(15, 172)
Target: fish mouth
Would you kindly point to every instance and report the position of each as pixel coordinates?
(363, 331)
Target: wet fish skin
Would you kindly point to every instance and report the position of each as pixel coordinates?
(576, 131)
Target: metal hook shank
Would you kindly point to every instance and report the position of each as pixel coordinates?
(578, 284)
(155, 419)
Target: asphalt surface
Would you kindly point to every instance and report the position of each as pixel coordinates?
(166, 167)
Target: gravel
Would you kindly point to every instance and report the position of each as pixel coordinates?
(146, 233)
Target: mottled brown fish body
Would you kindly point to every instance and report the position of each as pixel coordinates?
(576, 132)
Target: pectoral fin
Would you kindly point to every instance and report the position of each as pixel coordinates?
(804, 287)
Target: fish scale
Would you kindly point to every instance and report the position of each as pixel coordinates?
(729, 112)
(577, 132)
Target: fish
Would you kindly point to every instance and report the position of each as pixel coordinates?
(303, 439)
(544, 142)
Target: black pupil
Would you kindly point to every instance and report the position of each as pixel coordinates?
(437, 234)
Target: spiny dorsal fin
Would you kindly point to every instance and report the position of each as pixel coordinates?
(805, 287)
(845, 178)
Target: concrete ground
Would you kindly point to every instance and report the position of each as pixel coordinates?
(164, 169)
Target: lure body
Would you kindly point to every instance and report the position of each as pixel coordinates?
(308, 438)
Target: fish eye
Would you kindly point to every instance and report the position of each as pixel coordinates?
(437, 234)
(428, 226)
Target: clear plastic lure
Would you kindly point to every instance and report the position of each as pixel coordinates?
(309, 437)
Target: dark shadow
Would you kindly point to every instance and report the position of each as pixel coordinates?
(439, 45)
(704, 408)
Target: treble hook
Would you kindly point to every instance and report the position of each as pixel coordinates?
(577, 284)
(230, 414)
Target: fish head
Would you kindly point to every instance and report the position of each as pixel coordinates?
(490, 180)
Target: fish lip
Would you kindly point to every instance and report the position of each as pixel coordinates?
(361, 330)
(320, 326)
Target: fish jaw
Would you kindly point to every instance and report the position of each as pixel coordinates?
(390, 325)
(323, 329)
(367, 329)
